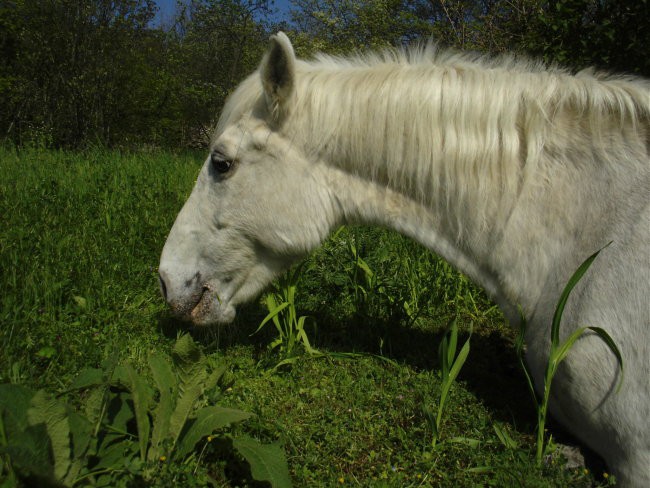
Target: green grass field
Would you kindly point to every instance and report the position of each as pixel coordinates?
(80, 238)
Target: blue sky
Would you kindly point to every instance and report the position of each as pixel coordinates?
(166, 9)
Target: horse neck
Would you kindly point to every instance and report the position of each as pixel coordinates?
(360, 200)
(457, 162)
(438, 159)
(447, 139)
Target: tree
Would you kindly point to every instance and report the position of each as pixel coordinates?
(607, 34)
(68, 63)
(220, 42)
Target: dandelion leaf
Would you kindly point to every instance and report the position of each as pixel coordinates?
(87, 378)
(267, 461)
(167, 386)
(192, 374)
(187, 356)
(30, 452)
(48, 411)
(205, 422)
(142, 397)
(14, 402)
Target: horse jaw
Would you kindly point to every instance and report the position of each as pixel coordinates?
(236, 234)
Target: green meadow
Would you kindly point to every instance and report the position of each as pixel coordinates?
(80, 238)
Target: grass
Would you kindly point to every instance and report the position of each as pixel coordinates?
(80, 239)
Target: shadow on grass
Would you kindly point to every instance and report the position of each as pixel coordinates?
(492, 372)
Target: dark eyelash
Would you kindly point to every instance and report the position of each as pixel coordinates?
(220, 163)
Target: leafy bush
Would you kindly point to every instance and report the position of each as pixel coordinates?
(126, 428)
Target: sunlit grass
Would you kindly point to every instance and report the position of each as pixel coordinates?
(79, 247)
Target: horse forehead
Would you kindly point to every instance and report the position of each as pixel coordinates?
(245, 133)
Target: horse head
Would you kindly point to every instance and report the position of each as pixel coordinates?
(258, 204)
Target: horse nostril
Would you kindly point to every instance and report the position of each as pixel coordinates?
(163, 287)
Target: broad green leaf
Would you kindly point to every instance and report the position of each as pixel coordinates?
(80, 301)
(142, 397)
(80, 432)
(163, 374)
(216, 376)
(93, 406)
(573, 281)
(167, 385)
(184, 407)
(113, 456)
(88, 377)
(52, 413)
(46, 352)
(30, 451)
(206, 421)
(267, 462)
(468, 441)
(14, 402)
(119, 412)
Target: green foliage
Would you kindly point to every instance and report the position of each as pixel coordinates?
(101, 72)
(75, 75)
(44, 438)
(607, 34)
(291, 333)
(81, 237)
(559, 351)
(450, 365)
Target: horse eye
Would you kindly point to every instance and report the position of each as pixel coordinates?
(221, 164)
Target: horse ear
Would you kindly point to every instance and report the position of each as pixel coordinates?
(278, 70)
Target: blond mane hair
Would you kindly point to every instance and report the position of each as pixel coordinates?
(458, 132)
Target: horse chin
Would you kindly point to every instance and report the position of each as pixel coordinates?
(221, 316)
(211, 311)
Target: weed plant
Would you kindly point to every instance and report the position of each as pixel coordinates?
(127, 430)
(559, 351)
(450, 366)
(291, 339)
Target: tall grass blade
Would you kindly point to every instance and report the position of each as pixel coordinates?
(607, 339)
(274, 311)
(573, 281)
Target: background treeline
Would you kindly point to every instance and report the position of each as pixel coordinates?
(100, 72)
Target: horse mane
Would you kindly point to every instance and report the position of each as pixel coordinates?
(456, 131)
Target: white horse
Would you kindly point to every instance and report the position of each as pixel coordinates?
(511, 171)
